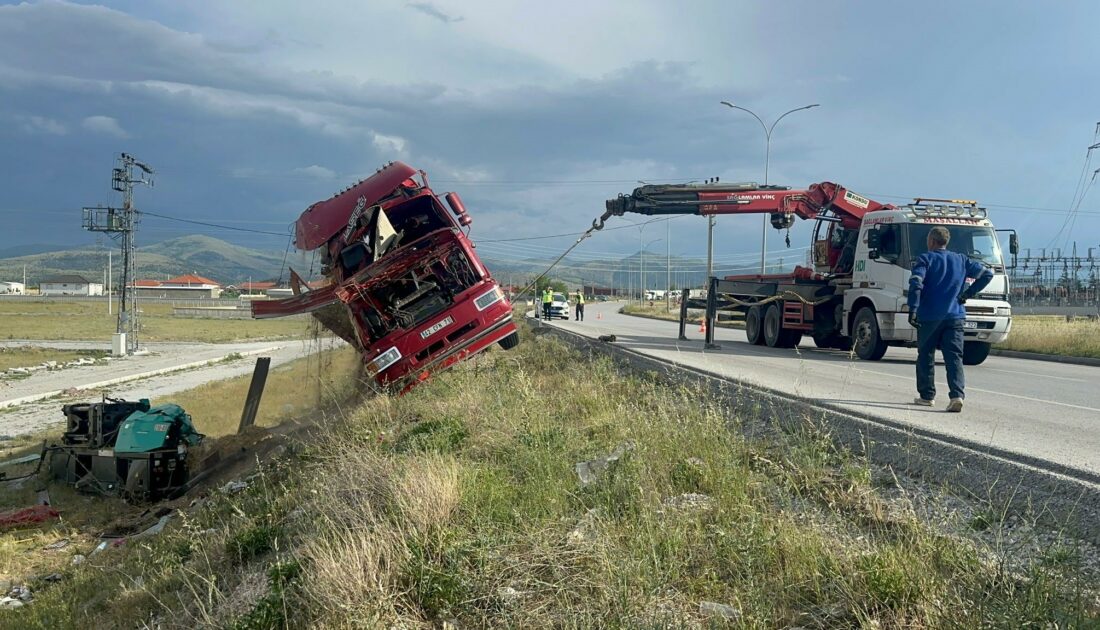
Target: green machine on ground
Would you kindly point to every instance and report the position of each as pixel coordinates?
(127, 449)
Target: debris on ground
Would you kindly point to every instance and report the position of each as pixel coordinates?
(714, 609)
(508, 595)
(233, 487)
(27, 516)
(155, 529)
(607, 338)
(585, 530)
(78, 559)
(689, 501)
(588, 470)
(61, 544)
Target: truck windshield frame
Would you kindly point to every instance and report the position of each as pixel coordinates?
(977, 242)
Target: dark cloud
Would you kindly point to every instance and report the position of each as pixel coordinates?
(431, 10)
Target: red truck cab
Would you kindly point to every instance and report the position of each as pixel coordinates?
(417, 296)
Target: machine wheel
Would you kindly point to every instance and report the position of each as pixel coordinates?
(868, 342)
(754, 326)
(791, 338)
(975, 352)
(773, 327)
(509, 342)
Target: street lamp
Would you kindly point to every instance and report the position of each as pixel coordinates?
(641, 268)
(767, 160)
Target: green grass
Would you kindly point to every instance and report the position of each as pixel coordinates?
(83, 321)
(459, 503)
(29, 356)
(1054, 335)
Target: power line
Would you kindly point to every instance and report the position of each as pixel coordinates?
(213, 225)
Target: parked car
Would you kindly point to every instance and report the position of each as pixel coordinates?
(560, 306)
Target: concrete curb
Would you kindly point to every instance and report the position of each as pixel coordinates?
(1061, 497)
(15, 402)
(1036, 356)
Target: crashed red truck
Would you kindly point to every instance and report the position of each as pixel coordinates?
(405, 285)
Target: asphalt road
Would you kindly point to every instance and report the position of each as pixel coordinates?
(1039, 409)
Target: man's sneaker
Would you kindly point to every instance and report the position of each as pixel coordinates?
(955, 406)
(923, 402)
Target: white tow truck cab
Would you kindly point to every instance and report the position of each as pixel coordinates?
(889, 243)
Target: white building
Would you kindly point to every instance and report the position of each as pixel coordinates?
(10, 288)
(70, 284)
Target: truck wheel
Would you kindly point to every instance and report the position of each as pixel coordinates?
(868, 342)
(509, 342)
(754, 326)
(773, 327)
(975, 352)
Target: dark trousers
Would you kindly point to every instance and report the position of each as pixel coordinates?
(947, 335)
(546, 310)
(580, 312)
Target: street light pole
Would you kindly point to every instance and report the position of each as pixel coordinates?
(668, 264)
(767, 160)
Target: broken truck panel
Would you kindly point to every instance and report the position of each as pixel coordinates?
(416, 295)
(325, 219)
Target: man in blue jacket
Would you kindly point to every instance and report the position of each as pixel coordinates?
(937, 292)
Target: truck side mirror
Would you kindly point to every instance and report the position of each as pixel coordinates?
(1013, 244)
(874, 240)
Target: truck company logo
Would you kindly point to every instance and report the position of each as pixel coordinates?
(856, 200)
(353, 220)
(751, 197)
(951, 221)
(436, 327)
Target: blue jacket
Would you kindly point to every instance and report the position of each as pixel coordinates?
(939, 278)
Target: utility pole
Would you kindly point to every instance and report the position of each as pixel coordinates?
(668, 265)
(121, 223)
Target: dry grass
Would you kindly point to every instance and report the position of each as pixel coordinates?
(80, 321)
(1054, 335)
(459, 503)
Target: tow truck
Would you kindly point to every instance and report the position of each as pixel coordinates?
(854, 295)
(404, 284)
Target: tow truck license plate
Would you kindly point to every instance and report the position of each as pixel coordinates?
(970, 324)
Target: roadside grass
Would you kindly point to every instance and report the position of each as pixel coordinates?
(83, 321)
(29, 356)
(460, 503)
(1054, 335)
(293, 390)
(695, 316)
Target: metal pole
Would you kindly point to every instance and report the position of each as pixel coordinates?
(668, 267)
(710, 247)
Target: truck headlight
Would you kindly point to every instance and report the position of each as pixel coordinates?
(1003, 311)
(383, 361)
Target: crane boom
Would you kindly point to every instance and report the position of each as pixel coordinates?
(825, 200)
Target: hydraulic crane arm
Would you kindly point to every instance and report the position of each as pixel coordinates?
(825, 201)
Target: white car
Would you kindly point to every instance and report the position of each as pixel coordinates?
(560, 306)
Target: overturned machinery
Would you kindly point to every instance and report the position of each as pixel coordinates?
(124, 448)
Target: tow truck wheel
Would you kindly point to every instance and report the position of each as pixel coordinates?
(975, 352)
(509, 342)
(868, 342)
(754, 326)
(773, 327)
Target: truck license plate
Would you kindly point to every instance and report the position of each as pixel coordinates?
(438, 326)
(970, 324)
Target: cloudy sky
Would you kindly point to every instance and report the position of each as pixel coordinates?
(537, 112)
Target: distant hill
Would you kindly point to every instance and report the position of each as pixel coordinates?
(204, 255)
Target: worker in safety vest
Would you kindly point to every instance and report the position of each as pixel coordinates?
(580, 306)
(547, 300)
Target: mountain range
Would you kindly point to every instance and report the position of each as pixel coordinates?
(228, 263)
(198, 254)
